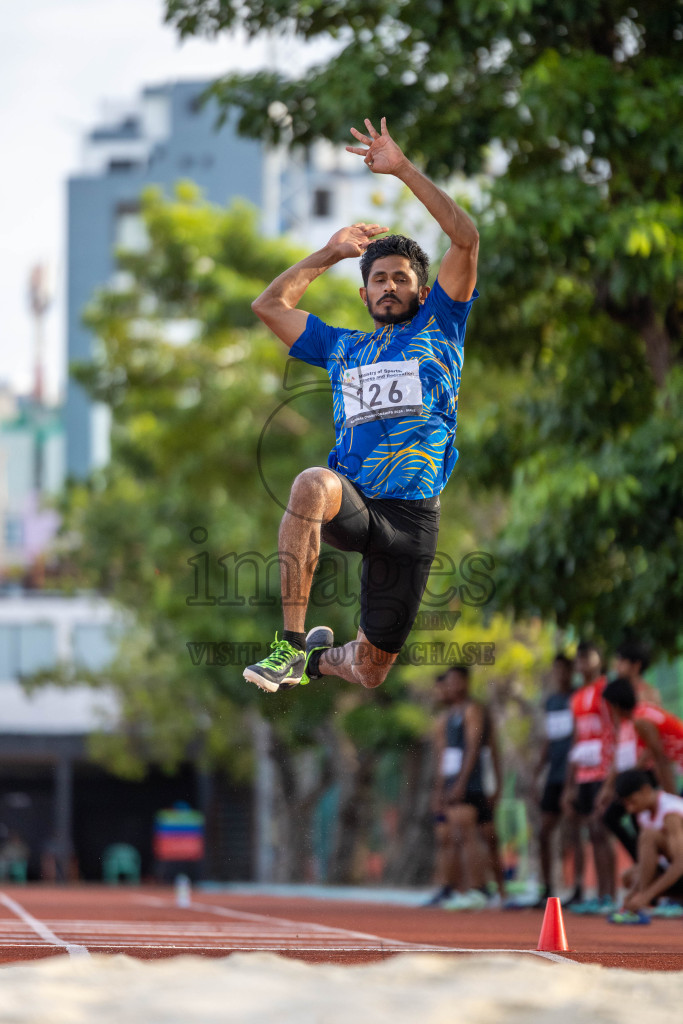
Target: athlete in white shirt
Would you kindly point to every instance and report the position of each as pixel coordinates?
(660, 816)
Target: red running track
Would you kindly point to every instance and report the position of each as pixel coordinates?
(145, 922)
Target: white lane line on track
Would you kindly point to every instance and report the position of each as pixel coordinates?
(298, 927)
(259, 936)
(382, 945)
(40, 928)
(235, 948)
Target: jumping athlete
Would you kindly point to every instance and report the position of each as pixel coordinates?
(395, 399)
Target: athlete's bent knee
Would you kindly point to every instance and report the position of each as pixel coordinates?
(314, 485)
(309, 480)
(370, 675)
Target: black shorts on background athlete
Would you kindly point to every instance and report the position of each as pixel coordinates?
(551, 801)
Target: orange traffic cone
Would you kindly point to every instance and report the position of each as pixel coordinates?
(553, 938)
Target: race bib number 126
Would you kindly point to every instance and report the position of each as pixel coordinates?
(380, 390)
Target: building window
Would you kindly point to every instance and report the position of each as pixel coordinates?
(37, 647)
(93, 646)
(26, 648)
(115, 166)
(322, 203)
(14, 532)
(130, 233)
(9, 652)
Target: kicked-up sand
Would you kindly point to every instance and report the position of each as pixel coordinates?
(264, 988)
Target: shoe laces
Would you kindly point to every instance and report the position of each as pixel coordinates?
(282, 652)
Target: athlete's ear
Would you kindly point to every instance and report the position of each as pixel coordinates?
(363, 292)
(424, 292)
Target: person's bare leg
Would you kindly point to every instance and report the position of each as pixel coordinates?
(571, 839)
(489, 834)
(359, 661)
(545, 837)
(579, 854)
(315, 499)
(446, 866)
(463, 821)
(603, 854)
(650, 846)
(454, 870)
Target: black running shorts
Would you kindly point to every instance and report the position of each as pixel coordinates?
(586, 795)
(397, 539)
(474, 797)
(551, 801)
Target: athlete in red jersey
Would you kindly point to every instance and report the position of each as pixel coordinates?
(589, 764)
(669, 727)
(591, 753)
(647, 736)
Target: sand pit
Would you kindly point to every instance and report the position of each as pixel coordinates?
(269, 989)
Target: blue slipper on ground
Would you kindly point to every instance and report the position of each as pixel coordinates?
(629, 917)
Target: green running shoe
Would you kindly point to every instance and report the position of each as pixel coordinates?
(281, 670)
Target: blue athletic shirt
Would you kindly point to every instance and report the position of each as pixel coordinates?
(394, 397)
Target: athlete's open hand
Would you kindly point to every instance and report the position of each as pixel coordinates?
(635, 901)
(354, 240)
(383, 155)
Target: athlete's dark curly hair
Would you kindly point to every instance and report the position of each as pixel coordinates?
(633, 650)
(620, 692)
(629, 782)
(396, 245)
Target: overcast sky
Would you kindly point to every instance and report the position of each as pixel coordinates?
(60, 61)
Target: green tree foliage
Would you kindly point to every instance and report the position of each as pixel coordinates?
(581, 269)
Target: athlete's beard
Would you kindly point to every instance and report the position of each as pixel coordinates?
(388, 314)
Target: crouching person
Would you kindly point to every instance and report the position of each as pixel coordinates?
(658, 874)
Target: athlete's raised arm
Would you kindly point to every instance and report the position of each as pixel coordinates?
(277, 305)
(458, 270)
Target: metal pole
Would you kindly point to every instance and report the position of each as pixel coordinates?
(204, 791)
(264, 854)
(63, 817)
